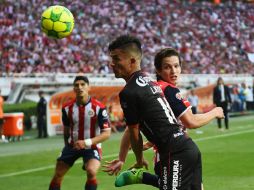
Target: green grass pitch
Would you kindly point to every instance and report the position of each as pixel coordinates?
(228, 160)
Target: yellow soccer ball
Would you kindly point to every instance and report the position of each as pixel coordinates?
(57, 21)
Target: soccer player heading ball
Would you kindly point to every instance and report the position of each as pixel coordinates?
(57, 22)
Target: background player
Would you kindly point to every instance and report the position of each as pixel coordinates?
(86, 125)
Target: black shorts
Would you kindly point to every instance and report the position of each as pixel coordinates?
(181, 170)
(69, 155)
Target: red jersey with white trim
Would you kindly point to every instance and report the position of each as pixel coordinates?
(85, 121)
(178, 104)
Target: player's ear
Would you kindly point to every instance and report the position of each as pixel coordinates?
(88, 88)
(157, 72)
(133, 60)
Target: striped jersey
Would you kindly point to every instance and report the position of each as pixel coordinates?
(85, 121)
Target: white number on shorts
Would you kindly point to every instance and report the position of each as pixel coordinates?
(96, 154)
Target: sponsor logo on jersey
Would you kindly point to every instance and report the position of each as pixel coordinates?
(104, 113)
(156, 89)
(175, 175)
(179, 96)
(143, 81)
(178, 134)
(91, 113)
(165, 178)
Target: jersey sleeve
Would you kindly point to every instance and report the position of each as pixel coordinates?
(129, 105)
(177, 103)
(103, 120)
(65, 119)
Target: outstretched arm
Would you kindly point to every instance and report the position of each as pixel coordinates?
(193, 121)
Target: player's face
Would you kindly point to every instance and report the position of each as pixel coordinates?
(120, 63)
(81, 88)
(170, 69)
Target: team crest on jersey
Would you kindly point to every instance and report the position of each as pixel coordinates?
(91, 113)
(179, 96)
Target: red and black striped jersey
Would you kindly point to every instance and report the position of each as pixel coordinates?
(85, 121)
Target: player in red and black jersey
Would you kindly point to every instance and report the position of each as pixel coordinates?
(169, 68)
(86, 125)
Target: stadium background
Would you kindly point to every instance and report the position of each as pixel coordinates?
(215, 38)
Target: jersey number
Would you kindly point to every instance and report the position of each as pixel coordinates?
(167, 109)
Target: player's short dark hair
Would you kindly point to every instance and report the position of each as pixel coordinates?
(126, 42)
(165, 52)
(81, 77)
(219, 79)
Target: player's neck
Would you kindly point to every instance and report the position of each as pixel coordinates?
(82, 100)
(131, 74)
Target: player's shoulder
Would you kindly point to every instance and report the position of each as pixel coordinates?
(97, 103)
(68, 104)
(165, 85)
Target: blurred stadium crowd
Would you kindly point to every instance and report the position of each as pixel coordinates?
(211, 38)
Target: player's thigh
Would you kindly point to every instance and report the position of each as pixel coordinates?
(69, 155)
(91, 159)
(190, 169)
(177, 169)
(61, 168)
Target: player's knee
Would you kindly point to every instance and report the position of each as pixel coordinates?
(91, 171)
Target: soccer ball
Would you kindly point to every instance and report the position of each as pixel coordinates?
(57, 22)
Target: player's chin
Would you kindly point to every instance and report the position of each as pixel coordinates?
(173, 80)
(117, 75)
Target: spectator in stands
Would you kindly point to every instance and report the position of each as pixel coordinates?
(222, 98)
(235, 99)
(42, 116)
(242, 96)
(193, 99)
(2, 137)
(217, 40)
(249, 98)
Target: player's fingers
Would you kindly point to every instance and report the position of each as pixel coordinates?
(108, 170)
(110, 162)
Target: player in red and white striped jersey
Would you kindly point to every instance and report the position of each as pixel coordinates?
(86, 125)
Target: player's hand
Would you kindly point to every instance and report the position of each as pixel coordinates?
(219, 112)
(113, 167)
(79, 144)
(147, 145)
(144, 164)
